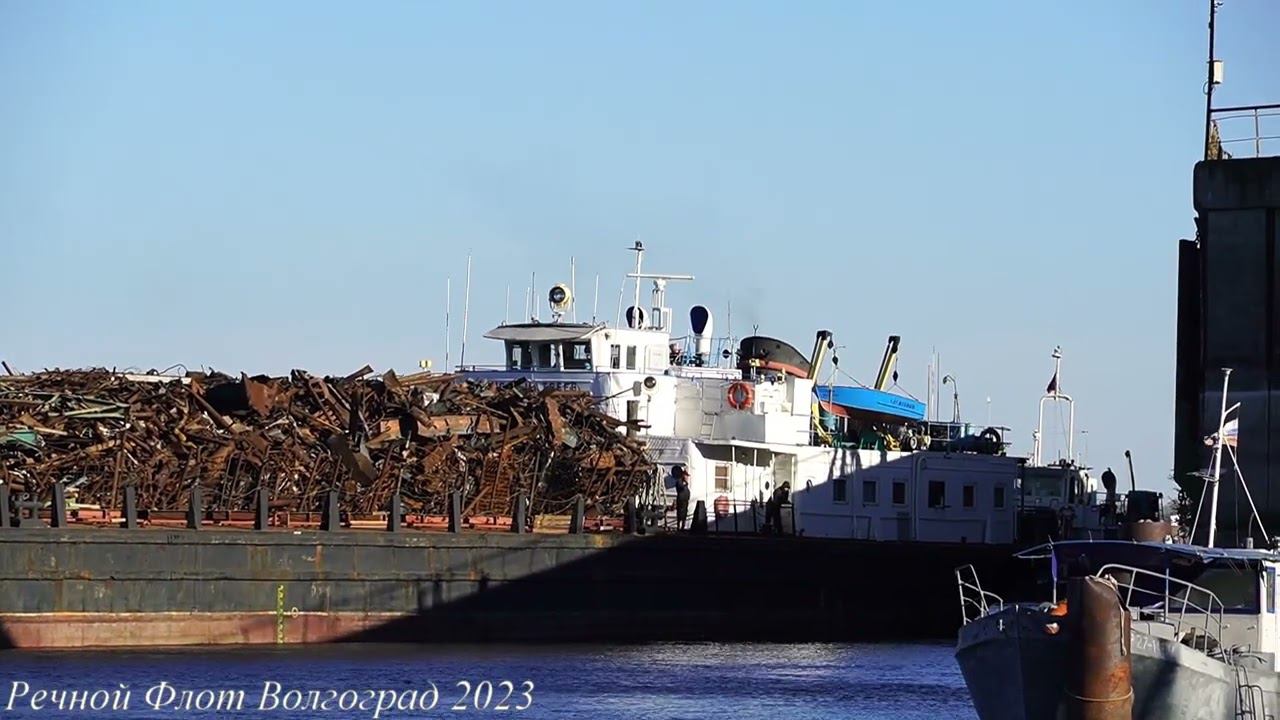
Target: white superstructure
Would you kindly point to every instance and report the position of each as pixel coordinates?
(741, 432)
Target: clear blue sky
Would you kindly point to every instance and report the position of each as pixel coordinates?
(264, 186)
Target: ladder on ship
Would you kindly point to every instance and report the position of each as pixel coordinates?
(1251, 702)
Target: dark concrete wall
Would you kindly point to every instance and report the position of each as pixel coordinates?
(1229, 305)
(498, 586)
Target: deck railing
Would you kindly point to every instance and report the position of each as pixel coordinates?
(974, 601)
(1170, 600)
(1248, 130)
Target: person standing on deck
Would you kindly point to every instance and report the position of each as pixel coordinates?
(682, 495)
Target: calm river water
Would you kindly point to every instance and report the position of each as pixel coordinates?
(662, 681)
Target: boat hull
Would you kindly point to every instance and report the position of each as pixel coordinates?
(1015, 667)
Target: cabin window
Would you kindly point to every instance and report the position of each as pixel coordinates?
(999, 497)
(868, 492)
(937, 493)
(631, 357)
(722, 478)
(615, 357)
(1270, 589)
(520, 358)
(577, 356)
(968, 496)
(840, 489)
(547, 355)
(899, 492)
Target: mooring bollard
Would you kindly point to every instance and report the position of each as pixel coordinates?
(629, 524)
(262, 511)
(578, 518)
(520, 513)
(698, 523)
(330, 520)
(58, 518)
(130, 507)
(6, 518)
(195, 511)
(455, 511)
(393, 513)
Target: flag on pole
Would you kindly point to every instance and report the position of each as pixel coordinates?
(1052, 387)
(1231, 433)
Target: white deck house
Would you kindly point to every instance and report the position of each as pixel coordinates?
(739, 449)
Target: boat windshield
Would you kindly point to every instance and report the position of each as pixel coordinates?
(1235, 586)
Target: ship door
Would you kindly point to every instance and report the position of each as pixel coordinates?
(1268, 629)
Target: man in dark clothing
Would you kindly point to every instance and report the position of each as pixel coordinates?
(773, 508)
(682, 495)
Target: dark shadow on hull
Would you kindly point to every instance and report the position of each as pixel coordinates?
(681, 587)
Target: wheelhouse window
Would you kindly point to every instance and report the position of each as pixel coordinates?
(937, 494)
(615, 357)
(899, 492)
(840, 489)
(723, 478)
(577, 356)
(631, 357)
(519, 356)
(999, 497)
(868, 492)
(1269, 589)
(967, 496)
(547, 355)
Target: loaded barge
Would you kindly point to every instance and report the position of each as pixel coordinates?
(604, 484)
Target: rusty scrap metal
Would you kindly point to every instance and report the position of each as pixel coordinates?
(367, 435)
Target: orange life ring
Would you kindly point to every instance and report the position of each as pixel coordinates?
(741, 395)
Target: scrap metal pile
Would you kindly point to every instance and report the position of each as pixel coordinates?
(366, 435)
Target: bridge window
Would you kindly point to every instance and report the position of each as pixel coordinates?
(577, 356)
(868, 492)
(999, 497)
(547, 355)
(615, 357)
(631, 357)
(937, 494)
(1270, 589)
(899, 492)
(840, 489)
(723, 478)
(519, 356)
(968, 496)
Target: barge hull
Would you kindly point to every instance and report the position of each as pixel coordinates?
(92, 588)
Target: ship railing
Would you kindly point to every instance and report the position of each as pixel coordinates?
(1248, 130)
(1169, 600)
(974, 601)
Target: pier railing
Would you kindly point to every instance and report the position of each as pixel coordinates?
(1170, 601)
(1246, 131)
(974, 601)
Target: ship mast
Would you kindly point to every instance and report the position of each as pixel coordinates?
(1217, 459)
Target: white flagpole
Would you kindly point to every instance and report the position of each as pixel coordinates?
(1217, 458)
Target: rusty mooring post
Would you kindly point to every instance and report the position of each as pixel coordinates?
(6, 519)
(329, 520)
(262, 510)
(1099, 680)
(131, 507)
(58, 518)
(578, 517)
(629, 524)
(520, 513)
(455, 511)
(195, 513)
(394, 513)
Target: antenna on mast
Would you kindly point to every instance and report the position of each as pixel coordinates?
(448, 297)
(595, 300)
(573, 286)
(466, 310)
